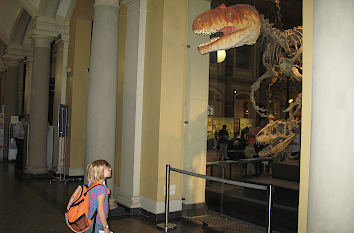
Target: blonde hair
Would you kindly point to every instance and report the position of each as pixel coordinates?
(95, 170)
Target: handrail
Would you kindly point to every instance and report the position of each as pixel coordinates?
(268, 188)
(232, 182)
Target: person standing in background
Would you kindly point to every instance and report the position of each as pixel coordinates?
(19, 132)
(223, 136)
(215, 140)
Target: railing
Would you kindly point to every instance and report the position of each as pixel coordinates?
(166, 225)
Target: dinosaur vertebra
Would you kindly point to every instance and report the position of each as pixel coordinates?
(240, 25)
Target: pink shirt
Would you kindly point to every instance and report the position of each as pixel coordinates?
(93, 193)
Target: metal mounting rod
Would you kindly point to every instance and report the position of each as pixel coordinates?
(166, 226)
(269, 210)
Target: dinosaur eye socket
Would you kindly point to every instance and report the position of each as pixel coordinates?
(229, 14)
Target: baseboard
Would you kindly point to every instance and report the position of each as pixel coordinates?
(26, 175)
(127, 201)
(152, 209)
(161, 217)
(152, 216)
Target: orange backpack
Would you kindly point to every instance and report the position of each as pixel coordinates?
(76, 213)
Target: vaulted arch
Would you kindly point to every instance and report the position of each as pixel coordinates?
(20, 27)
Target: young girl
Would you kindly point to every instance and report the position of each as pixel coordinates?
(99, 170)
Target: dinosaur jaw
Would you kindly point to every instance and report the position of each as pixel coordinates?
(277, 135)
(239, 25)
(227, 41)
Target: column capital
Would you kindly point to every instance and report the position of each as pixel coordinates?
(42, 41)
(64, 32)
(130, 3)
(62, 44)
(15, 52)
(135, 7)
(45, 26)
(28, 60)
(106, 2)
(12, 62)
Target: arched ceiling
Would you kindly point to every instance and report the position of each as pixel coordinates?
(17, 16)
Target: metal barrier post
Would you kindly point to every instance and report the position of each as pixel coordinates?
(222, 192)
(167, 225)
(269, 210)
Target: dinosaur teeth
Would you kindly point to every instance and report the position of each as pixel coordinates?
(208, 32)
(209, 41)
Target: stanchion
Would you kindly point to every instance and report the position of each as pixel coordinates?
(269, 211)
(166, 226)
(222, 192)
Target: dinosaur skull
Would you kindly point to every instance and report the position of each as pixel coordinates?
(240, 25)
(277, 135)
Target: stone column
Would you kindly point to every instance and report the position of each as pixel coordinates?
(1, 74)
(2, 71)
(37, 151)
(11, 97)
(27, 102)
(331, 189)
(59, 98)
(129, 190)
(102, 85)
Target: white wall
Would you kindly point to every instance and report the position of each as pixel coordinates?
(331, 188)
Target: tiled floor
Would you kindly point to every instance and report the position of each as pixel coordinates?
(36, 206)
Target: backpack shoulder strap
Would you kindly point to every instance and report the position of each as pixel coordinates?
(94, 185)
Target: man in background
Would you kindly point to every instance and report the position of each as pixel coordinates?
(223, 136)
(19, 132)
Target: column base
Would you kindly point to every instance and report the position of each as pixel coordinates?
(128, 201)
(113, 203)
(35, 170)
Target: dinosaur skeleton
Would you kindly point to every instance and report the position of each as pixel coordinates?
(282, 56)
(241, 24)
